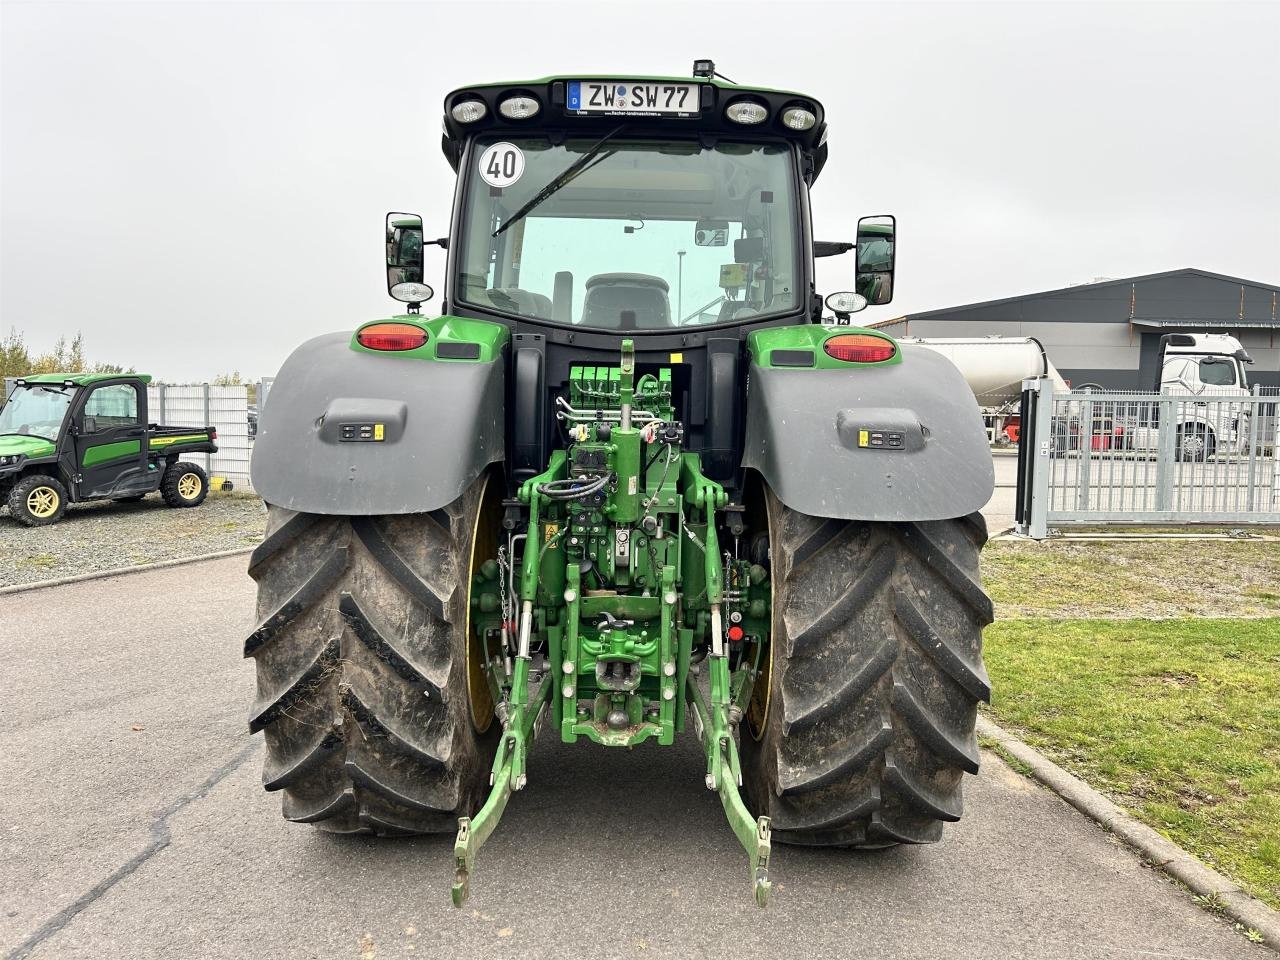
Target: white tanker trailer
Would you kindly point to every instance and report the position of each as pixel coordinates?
(1191, 366)
(994, 368)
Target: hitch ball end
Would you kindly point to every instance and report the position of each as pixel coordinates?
(462, 856)
(763, 888)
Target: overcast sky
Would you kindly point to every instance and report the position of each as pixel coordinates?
(199, 187)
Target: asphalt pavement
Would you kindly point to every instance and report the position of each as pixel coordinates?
(132, 824)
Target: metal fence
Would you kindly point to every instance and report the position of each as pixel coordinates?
(1130, 457)
(203, 404)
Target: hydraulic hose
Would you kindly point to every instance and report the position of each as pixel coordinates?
(572, 488)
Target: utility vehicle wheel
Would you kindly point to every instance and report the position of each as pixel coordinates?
(184, 485)
(376, 716)
(1196, 443)
(38, 501)
(874, 679)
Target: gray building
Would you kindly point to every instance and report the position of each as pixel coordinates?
(1108, 333)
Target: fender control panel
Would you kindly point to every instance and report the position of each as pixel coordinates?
(880, 439)
(362, 432)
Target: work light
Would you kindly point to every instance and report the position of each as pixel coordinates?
(469, 111)
(846, 302)
(798, 118)
(519, 107)
(747, 112)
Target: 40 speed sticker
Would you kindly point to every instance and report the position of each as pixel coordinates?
(501, 164)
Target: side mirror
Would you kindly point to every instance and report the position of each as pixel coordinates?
(405, 259)
(875, 259)
(711, 233)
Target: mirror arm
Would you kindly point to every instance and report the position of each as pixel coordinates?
(442, 242)
(831, 248)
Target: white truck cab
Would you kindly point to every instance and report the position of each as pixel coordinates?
(1203, 363)
(1196, 365)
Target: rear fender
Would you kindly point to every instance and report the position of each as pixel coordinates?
(418, 430)
(901, 441)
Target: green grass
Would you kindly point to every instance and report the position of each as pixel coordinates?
(1141, 578)
(1177, 720)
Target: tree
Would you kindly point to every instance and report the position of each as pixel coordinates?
(15, 360)
(231, 379)
(65, 357)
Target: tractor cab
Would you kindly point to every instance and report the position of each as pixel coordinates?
(674, 208)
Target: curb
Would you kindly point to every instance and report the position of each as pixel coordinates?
(122, 571)
(1155, 849)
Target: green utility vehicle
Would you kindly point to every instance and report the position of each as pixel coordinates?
(633, 483)
(68, 437)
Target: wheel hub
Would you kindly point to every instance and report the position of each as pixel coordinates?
(43, 502)
(189, 486)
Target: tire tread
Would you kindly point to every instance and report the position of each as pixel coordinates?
(876, 675)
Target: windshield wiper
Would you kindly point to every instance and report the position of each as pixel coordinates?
(570, 173)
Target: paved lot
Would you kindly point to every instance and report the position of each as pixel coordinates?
(159, 842)
(999, 509)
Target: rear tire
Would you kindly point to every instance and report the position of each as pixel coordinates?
(876, 672)
(361, 658)
(37, 500)
(184, 485)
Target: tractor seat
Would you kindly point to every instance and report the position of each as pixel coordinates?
(524, 302)
(609, 294)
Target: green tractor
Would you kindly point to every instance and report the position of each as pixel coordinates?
(629, 485)
(69, 437)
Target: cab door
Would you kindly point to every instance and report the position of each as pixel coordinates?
(111, 441)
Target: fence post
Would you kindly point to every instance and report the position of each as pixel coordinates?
(1255, 414)
(208, 457)
(1085, 462)
(1166, 455)
(1035, 523)
(161, 417)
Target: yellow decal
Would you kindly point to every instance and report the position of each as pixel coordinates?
(551, 530)
(863, 438)
(677, 358)
(379, 431)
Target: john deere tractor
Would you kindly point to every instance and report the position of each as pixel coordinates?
(631, 484)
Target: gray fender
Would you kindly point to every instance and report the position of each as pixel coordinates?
(803, 430)
(442, 425)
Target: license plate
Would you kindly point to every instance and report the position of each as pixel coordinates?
(633, 98)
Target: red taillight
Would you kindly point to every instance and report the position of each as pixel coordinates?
(392, 336)
(213, 433)
(860, 348)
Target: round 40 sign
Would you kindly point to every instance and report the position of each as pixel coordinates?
(502, 164)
